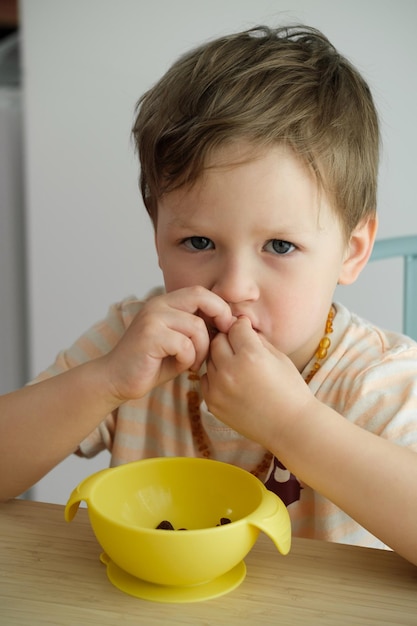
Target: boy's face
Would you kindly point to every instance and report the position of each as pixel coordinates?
(258, 234)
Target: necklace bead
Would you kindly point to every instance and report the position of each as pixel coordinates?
(323, 346)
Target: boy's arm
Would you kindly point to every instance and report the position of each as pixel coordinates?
(370, 478)
(42, 424)
(258, 392)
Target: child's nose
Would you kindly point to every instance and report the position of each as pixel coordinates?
(236, 283)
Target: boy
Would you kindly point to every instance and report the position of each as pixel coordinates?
(259, 158)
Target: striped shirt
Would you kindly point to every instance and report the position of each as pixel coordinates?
(369, 377)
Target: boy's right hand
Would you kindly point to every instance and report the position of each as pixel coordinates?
(169, 335)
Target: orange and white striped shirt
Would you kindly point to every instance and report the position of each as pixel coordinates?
(369, 377)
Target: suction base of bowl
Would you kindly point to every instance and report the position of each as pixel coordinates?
(167, 593)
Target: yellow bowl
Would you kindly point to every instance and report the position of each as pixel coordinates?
(126, 504)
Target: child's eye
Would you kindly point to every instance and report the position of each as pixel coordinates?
(279, 246)
(198, 243)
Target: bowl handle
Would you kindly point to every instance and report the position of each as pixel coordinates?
(81, 492)
(273, 519)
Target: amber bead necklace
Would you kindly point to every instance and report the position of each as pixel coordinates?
(193, 400)
(323, 347)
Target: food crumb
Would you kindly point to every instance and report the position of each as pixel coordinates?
(165, 525)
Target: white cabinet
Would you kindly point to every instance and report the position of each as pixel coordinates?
(12, 256)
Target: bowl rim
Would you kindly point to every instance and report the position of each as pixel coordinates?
(103, 476)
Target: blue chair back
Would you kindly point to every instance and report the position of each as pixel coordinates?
(405, 247)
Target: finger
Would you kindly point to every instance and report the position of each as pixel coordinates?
(209, 306)
(183, 336)
(225, 346)
(220, 350)
(178, 357)
(243, 337)
(241, 334)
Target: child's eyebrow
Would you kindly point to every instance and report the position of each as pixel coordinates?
(180, 222)
(188, 221)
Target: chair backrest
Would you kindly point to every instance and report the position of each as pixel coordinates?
(405, 247)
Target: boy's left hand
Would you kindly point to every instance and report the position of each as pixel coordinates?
(251, 386)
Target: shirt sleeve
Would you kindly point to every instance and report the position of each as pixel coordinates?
(383, 398)
(370, 377)
(96, 342)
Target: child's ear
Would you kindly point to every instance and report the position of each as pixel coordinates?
(358, 250)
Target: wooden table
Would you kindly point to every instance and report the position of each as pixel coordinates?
(50, 574)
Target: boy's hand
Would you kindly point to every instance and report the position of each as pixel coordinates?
(251, 386)
(169, 335)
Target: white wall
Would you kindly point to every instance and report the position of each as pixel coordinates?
(86, 62)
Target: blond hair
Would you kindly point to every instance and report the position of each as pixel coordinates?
(266, 86)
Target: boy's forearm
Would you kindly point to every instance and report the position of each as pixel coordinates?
(42, 424)
(368, 477)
